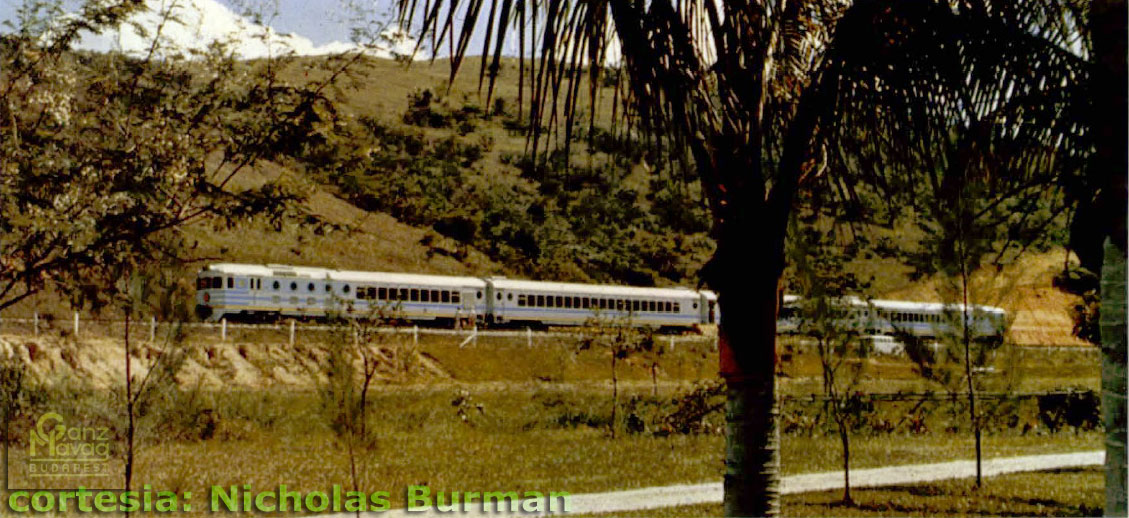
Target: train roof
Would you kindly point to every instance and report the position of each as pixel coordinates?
(593, 289)
(907, 306)
(411, 278)
(902, 305)
(307, 272)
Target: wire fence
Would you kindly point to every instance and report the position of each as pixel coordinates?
(78, 326)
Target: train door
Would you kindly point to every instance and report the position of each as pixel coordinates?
(468, 312)
(498, 309)
(489, 303)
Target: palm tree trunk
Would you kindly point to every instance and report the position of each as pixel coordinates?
(1108, 165)
(1113, 378)
(747, 347)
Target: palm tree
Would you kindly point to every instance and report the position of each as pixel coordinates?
(771, 100)
(1107, 175)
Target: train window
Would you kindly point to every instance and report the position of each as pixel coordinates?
(509, 296)
(540, 301)
(403, 294)
(521, 301)
(435, 295)
(560, 302)
(455, 297)
(328, 288)
(619, 305)
(576, 302)
(230, 283)
(310, 286)
(345, 289)
(425, 296)
(382, 292)
(361, 293)
(568, 302)
(695, 305)
(415, 295)
(293, 286)
(275, 285)
(498, 296)
(478, 295)
(446, 296)
(584, 302)
(677, 309)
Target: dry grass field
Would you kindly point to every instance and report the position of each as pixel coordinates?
(499, 414)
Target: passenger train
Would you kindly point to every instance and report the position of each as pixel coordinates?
(892, 317)
(269, 292)
(274, 291)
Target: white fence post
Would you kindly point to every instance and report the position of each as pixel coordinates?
(76, 324)
(291, 332)
(528, 337)
(671, 342)
(415, 336)
(472, 336)
(152, 329)
(223, 329)
(36, 318)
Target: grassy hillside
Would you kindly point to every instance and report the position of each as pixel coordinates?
(416, 174)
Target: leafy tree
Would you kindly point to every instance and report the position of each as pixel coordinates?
(769, 98)
(106, 158)
(621, 340)
(1104, 202)
(822, 315)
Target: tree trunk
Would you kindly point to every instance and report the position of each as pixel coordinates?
(130, 425)
(845, 439)
(747, 350)
(1113, 378)
(1107, 170)
(615, 392)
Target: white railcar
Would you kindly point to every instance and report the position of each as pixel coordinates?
(520, 302)
(891, 317)
(256, 292)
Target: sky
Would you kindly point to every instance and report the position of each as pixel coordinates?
(322, 22)
(308, 27)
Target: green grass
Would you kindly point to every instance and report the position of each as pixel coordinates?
(1066, 492)
(544, 438)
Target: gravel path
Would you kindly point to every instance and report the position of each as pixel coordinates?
(709, 493)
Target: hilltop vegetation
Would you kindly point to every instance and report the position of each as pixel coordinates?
(611, 209)
(406, 172)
